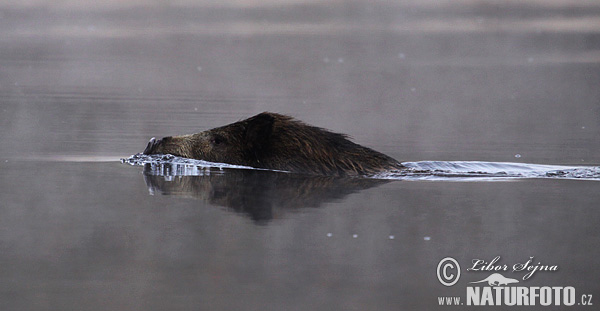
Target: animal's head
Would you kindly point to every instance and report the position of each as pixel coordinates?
(237, 143)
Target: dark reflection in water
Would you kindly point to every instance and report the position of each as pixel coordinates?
(261, 195)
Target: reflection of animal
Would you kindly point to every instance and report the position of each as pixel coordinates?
(278, 142)
(497, 279)
(260, 195)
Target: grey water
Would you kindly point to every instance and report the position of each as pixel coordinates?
(451, 89)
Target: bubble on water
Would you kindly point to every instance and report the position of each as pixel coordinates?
(391, 237)
(583, 127)
(412, 89)
(354, 236)
(326, 60)
(517, 155)
(199, 68)
(530, 60)
(401, 56)
(329, 234)
(196, 109)
(427, 238)
(340, 60)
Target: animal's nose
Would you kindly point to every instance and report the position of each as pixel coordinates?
(151, 144)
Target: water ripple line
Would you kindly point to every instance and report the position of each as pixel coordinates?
(169, 165)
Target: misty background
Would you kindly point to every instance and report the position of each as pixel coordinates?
(422, 80)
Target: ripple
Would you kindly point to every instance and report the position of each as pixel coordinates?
(170, 165)
(475, 170)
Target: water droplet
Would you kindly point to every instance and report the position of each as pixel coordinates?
(326, 60)
(530, 60)
(329, 234)
(199, 68)
(412, 89)
(354, 236)
(340, 60)
(391, 237)
(401, 56)
(583, 127)
(196, 109)
(427, 238)
(517, 155)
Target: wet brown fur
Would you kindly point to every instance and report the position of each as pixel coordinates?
(279, 142)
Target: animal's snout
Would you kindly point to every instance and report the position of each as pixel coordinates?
(151, 144)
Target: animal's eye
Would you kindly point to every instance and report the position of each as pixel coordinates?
(217, 140)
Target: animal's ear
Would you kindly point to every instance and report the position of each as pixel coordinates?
(258, 131)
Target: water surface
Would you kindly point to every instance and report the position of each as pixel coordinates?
(428, 83)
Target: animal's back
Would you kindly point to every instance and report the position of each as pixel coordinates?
(279, 142)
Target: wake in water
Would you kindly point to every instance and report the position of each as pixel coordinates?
(169, 165)
(475, 170)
